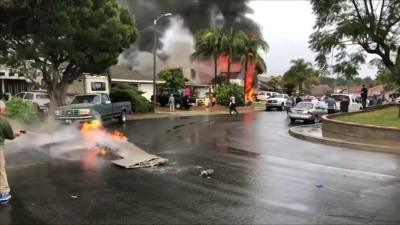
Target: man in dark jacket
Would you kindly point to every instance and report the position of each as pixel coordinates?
(6, 132)
(364, 96)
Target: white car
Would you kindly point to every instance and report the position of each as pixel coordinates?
(264, 95)
(277, 101)
(39, 98)
(354, 104)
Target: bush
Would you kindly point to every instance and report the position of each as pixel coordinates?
(25, 112)
(226, 90)
(122, 92)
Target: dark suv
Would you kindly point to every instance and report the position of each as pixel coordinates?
(180, 101)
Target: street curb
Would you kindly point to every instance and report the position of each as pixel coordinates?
(343, 143)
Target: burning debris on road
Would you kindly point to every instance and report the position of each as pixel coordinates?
(116, 147)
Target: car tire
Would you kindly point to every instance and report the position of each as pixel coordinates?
(178, 105)
(122, 118)
(267, 109)
(292, 120)
(281, 108)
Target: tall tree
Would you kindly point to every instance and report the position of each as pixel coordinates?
(365, 26)
(208, 45)
(301, 74)
(174, 79)
(233, 45)
(248, 49)
(64, 39)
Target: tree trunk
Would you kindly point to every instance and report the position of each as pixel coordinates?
(215, 72)
(229, 69)
(300, 88)
(57, 95)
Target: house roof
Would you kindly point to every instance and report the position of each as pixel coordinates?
(119, 72)
(319, 90)
(377, 90)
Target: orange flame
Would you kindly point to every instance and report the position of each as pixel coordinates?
(92, 133)
(251, 72)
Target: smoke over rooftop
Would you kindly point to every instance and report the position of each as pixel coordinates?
(190, 16)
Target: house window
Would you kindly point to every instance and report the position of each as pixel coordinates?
(2, 74)
(11, 74)
(98, 86)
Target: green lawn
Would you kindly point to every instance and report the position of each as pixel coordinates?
(384, 117)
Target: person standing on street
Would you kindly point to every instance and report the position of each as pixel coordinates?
(344, 104)
(171, 102)
(232, 105)
(6, 132)
(364, 96)
(331, 103)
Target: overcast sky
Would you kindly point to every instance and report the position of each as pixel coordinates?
(286, 26)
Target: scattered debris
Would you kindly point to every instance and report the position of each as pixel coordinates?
(131, 156)
(319, 185)
(207, 173)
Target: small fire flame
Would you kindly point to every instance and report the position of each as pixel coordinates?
(95, 136)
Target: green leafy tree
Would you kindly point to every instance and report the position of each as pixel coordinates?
(226, 90)
(174, 79)
(301, 75)
(208, 45)
(362, 26)
(64, 39)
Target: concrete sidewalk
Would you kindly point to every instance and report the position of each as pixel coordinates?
(313, 133)
(162, 112)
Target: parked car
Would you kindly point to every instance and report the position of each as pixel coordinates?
(277, 101)
(180, 101)
(39, 98)
(93, 106)
(264, 95)
(308, 111)
(354, 104)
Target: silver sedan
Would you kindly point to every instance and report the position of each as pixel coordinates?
(308, 112)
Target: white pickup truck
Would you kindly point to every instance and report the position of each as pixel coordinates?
(354, 104)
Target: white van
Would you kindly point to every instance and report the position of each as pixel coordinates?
(354, 104)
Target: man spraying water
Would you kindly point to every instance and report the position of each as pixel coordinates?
(6, 132)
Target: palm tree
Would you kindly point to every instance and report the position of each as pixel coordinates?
(232, 45)
(300, 73)
(208, 45)
(248, 49)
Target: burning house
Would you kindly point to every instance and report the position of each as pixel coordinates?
(175, 50)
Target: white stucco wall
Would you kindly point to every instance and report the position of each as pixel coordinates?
(147, 89)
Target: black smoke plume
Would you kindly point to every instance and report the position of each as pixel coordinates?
(197, 14)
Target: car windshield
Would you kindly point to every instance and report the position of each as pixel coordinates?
(304, 105)
(277, 96)
(85, 99)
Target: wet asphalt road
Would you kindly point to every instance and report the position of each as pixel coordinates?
(262, 176)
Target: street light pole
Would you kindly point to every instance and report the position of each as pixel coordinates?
(154, 54)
